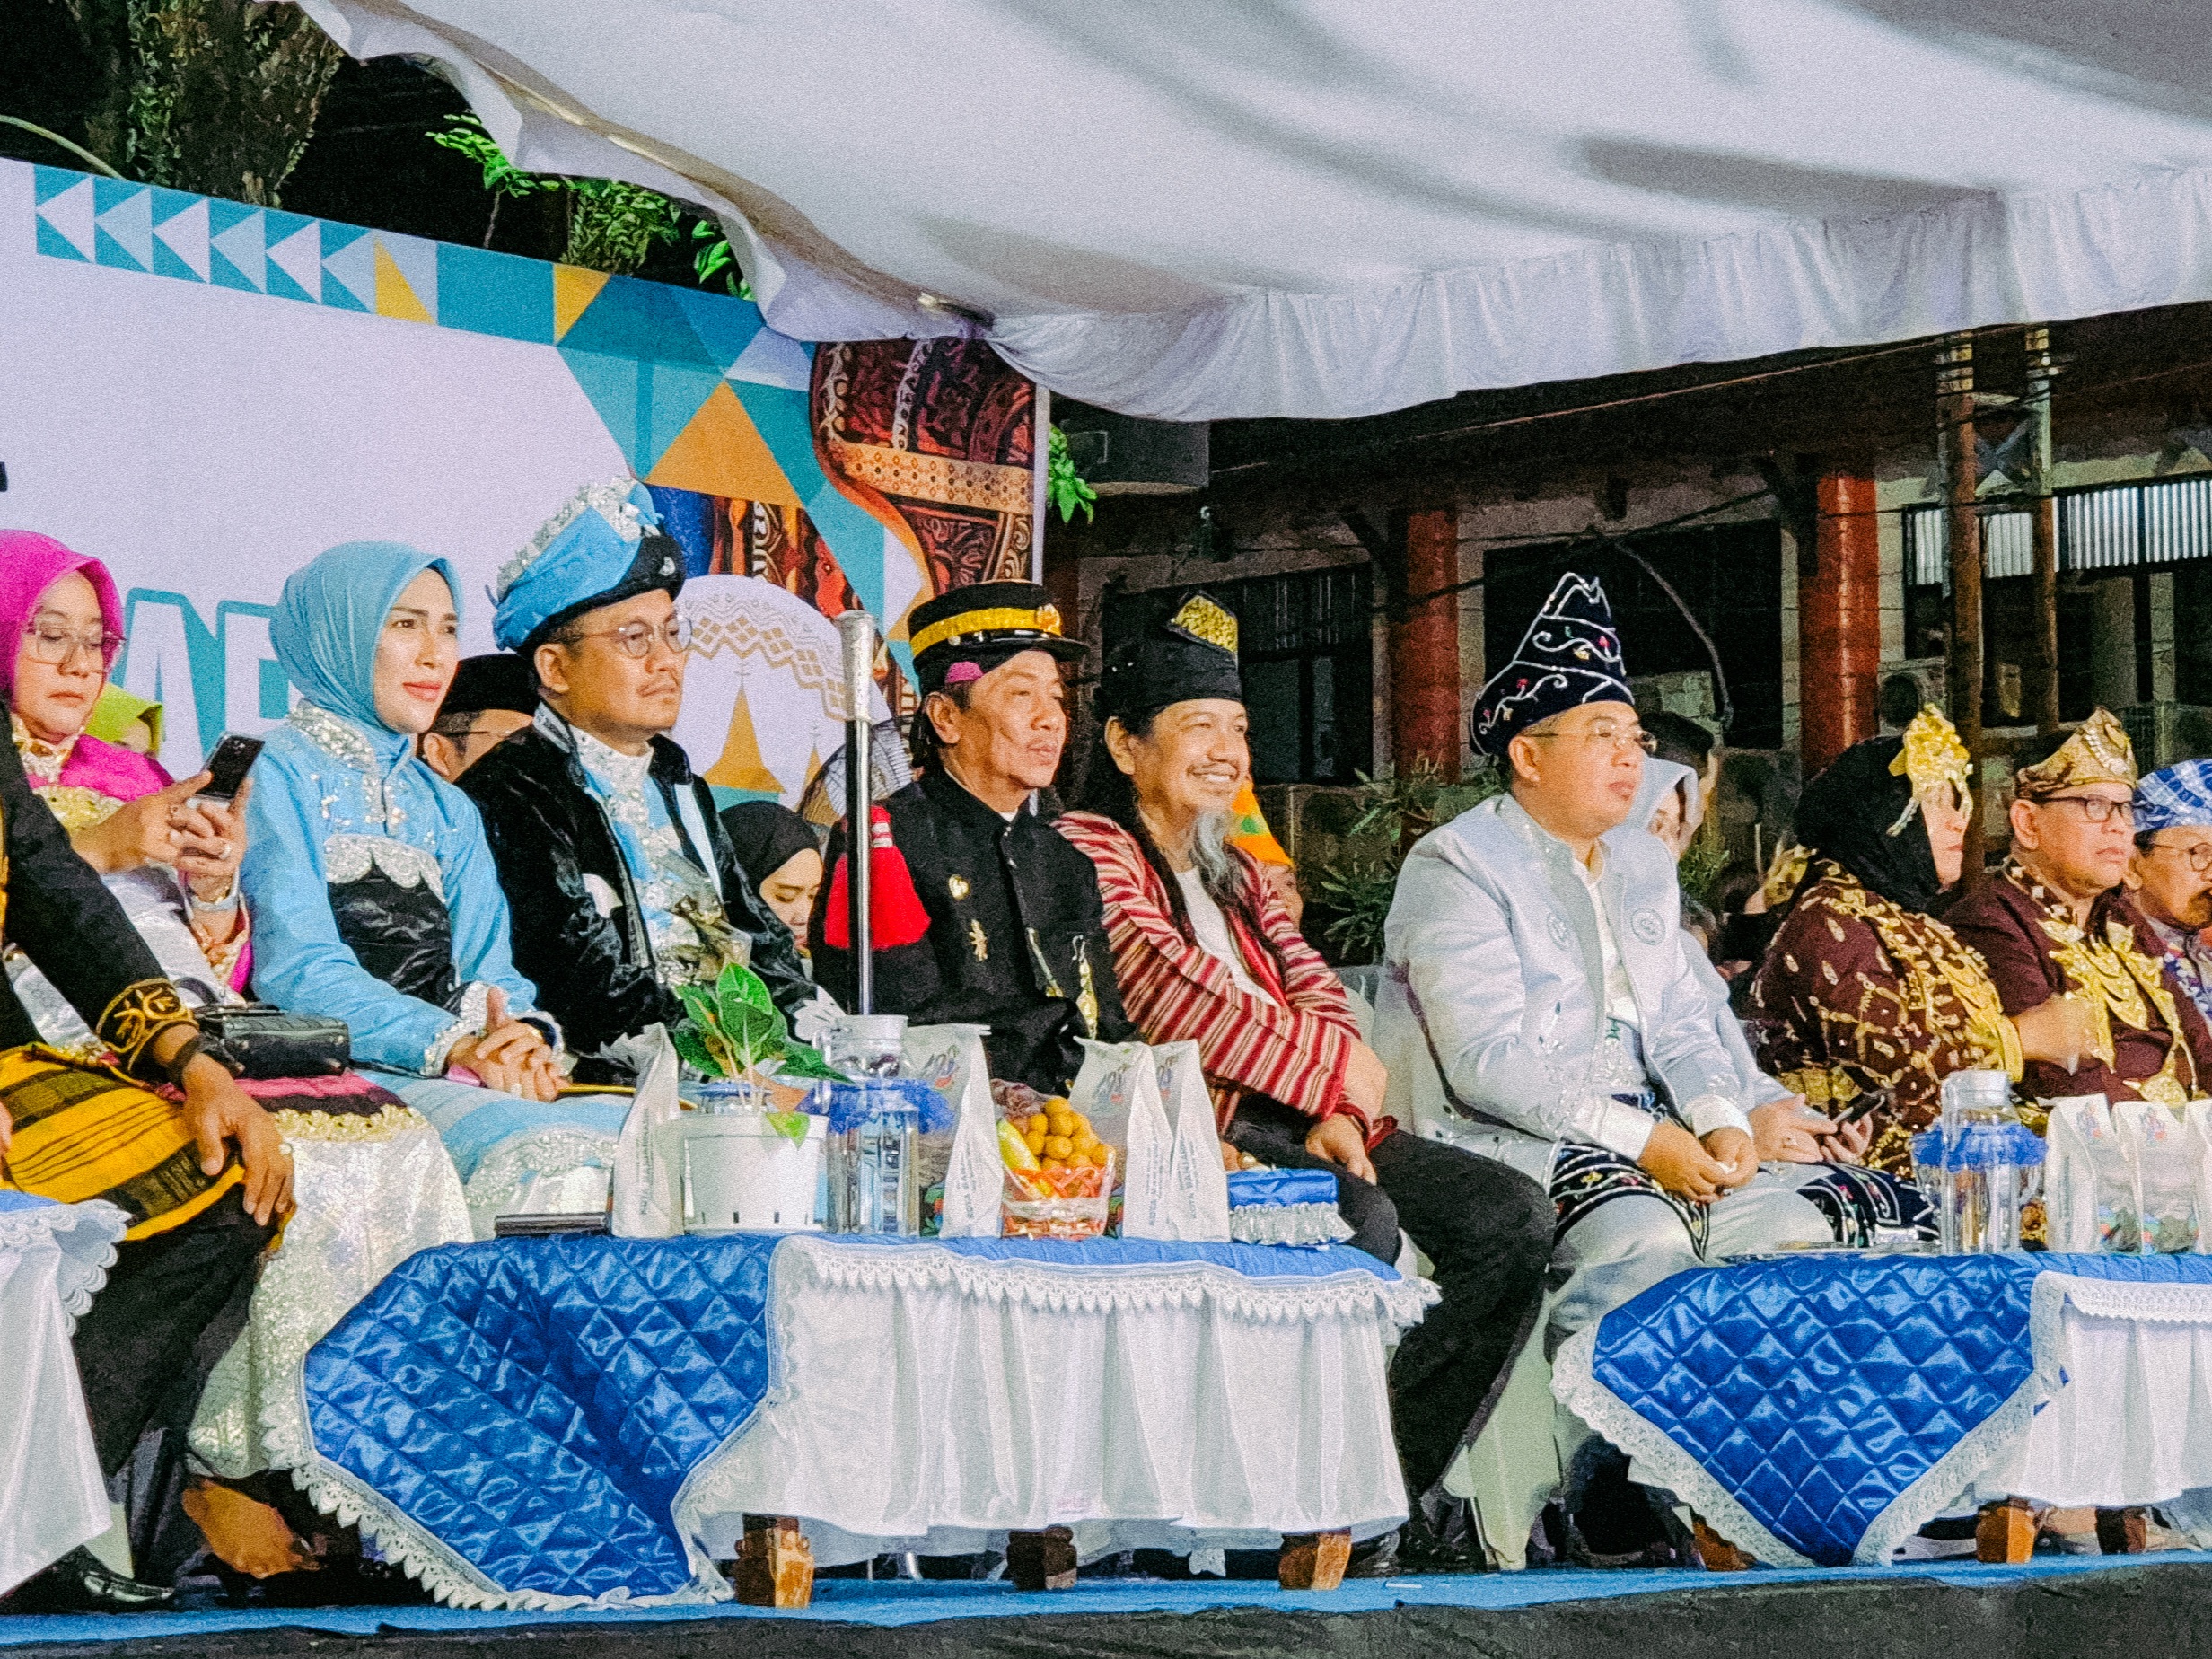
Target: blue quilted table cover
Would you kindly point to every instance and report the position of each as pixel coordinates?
(1819, 1397)
(518, 1416)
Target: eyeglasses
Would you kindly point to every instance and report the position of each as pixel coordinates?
(1611, 734)
(51, 642)
(2199, 856)
(2097, 809)
(635, 639)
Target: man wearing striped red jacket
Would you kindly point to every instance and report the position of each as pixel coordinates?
(1204, 950)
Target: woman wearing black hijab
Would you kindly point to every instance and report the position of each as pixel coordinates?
(778, 849)
(1862, 992)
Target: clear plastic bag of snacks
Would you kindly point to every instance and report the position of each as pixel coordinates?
(2089, 1186)
(1060, 1173)
(2157, 1156)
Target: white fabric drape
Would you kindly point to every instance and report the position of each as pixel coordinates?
(1333, 207)
(370, 1192)
(929, 1403)
(2129, 1419)
(54, 1257)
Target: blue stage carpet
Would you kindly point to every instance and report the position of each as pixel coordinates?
(894, 1603)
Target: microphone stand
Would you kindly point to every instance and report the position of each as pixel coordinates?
(856, 635)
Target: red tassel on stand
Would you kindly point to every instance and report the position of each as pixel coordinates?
(895, 912)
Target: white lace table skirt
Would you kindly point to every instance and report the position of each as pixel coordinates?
(929, 1402)
(54, 1257)
(370, 1192)
(2127, 1418)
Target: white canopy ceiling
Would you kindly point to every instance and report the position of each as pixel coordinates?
(1194, 209)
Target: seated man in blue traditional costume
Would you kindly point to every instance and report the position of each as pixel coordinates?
(980, 911)
(376, 899)
(621, 880)
(1536, 1005)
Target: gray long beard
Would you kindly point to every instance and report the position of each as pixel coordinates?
(1210, 851)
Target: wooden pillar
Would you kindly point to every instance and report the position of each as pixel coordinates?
(1955, 449)
(1424, 647)
(2043, 687)
(1839, 621)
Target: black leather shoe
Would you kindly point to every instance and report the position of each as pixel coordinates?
(81, 1583)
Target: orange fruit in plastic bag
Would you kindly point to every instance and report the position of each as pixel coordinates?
(1058, 1147)
(1054, 1165)
(1035, 1141)
(1038, 1124)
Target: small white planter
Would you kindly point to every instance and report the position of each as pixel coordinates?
(741, 1173)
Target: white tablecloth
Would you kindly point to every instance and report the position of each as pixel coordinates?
(54, 1257)
(2127, 1416)
(926, 1402)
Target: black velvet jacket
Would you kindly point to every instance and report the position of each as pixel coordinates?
(595, 973)
(1016, 939)
(54, 906)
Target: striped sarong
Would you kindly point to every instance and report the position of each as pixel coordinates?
(84, 1131)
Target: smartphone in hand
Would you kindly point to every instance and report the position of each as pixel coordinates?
(227, 768)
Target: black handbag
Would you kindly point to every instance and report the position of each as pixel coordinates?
(261, 1040)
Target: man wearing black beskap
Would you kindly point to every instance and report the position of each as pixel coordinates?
(979, 911)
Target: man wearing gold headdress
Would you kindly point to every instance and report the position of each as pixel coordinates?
(2056, 923)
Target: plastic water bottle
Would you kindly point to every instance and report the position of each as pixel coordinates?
(1983, 1151)
(874, 1182)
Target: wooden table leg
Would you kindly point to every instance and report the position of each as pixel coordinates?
(1314, 1560)
(2123, 1531)
(2006, 1531)
(774, 1563)
(1715, 1554)
(1042, 1560)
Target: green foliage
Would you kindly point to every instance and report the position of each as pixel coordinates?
(613, 227)
(1703, 863)
(1063, 486)
(466, 136)
(736, 1031)
(218, 97)
(717, 259)
(1395, 810)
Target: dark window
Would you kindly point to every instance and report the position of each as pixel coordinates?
(1729, 576)
(1305, 645)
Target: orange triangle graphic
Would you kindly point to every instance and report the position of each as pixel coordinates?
(741, 766)
(574, 290)
(722, 453)
(394, 297)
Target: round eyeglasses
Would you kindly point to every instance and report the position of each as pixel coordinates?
(635, 639)
(51, 643)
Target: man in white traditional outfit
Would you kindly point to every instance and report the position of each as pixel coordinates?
(1537, 1005)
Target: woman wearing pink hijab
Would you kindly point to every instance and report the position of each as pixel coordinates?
(372, 1182)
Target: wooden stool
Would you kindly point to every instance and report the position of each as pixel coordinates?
(1042, 1560)
(775, 1566)
(1314, 1560)
(2006, 1531)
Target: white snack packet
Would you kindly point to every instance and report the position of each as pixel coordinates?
(2165, 1189)
(1118, 1089)
(1198, 1184)
(648, 1156)
(2197, 1153)
(2089, 1198)
(951, 1059)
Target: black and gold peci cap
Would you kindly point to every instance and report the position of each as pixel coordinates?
(983, 627)
(1190, 657)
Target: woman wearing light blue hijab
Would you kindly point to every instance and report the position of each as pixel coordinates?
(375, 898)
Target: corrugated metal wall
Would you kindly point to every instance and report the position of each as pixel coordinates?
(2113, 527)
